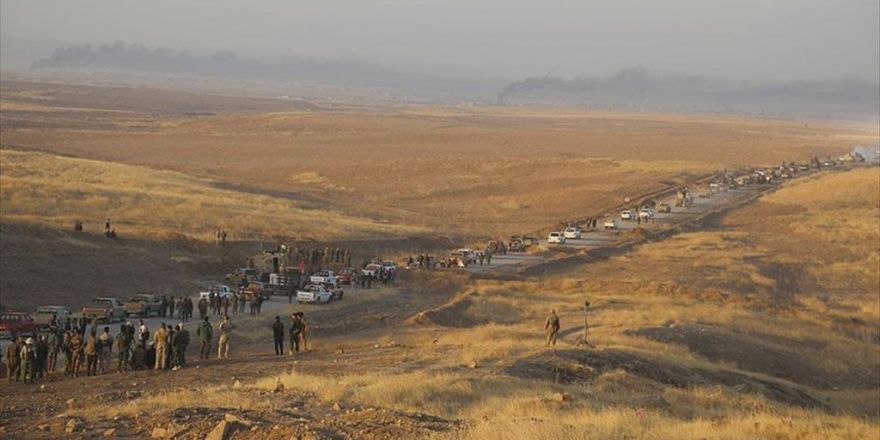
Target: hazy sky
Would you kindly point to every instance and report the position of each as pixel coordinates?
(749, 39)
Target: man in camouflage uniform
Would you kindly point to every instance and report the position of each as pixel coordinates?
(160, 341)
(13, 359)
(223, 342)
(552, 328)
(205, 332)
(75, 345)
(179, 344)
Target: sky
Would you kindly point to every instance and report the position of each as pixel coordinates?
(775, 40)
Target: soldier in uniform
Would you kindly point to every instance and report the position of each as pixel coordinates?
(90, 350)
(41, 357)
(296, 327)
(552, 327)
(13, 359)
(205, 332)
(278, 336)
(26, 354)
(160, 341)
(223, 342)
(179, 343)
(54, 344)
(75, 345)
(123, 345)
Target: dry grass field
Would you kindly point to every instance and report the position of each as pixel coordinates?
(477, 171)
(761, 323)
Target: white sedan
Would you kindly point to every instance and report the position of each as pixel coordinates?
(610, 224)
(572, 233)
(627, 215)
(556, 237)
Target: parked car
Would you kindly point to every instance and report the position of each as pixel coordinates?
(345, 276)
(556, 237)
(626, 214)
(316, 293)
(572, 233)
(323, 276)
(371, 270)
(105, 309)
(18, 324)
(43, 316)
(646, 213)
(143, 304)
(610, 224)
(664, 207)
(220, 290)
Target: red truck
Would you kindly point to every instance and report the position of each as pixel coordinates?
(17, 324)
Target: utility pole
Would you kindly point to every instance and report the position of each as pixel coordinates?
(586, 324)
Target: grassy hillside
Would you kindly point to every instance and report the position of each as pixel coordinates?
(481, 171)
(51, 190)
(721, 333)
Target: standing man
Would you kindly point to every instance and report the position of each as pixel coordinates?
(223, 341)
(180, 342)
(26, 354)
(54, 344)
(123, 344)
(278, 335)
(160, 341)
(205, 332)
(75, 346)
(551, 326)
(295, 332)
(203, 308)
(13, 359)
(90, 349)
(143, 334)
(105, 349)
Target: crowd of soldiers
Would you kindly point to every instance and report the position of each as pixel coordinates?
(90, 353)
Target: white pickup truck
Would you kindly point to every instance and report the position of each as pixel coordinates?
(317, 293)
(220, 291)
(322, 277)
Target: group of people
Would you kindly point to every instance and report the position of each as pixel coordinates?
(90, 353)
(238, 302)
(296, 334)
(109, 230)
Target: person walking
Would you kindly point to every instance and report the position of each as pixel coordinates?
(551, 326)
(278, 335)
(205, 332)
(223, 341)
(160, 342)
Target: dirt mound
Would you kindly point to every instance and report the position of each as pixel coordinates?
(768, 354)
(581, 366)
(451, 314)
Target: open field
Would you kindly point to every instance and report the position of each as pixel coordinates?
(759, 323)
(477, 171)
